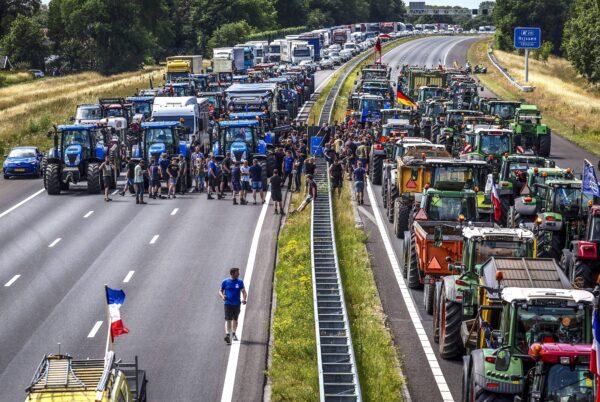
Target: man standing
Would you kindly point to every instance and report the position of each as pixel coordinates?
(236, 185)
(245, 174)
(138, 181)
(226, 172)
(336, 173)
(288, 168)
(183, 174)
(359, 183)
(130, 171)
(107, 171)
(311, 187)
(154, 173)
(276, 181)
(214, 173)
(230, 291)
(256, 177)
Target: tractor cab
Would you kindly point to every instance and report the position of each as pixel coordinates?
(433, 109)
(448, 205)
(141, 107)
(261, 116)
(87, 114)
(241, 138)
(515, 169)
(369, 107)
(505, 111)
(488, 144)
(428, 92)
(530, 133)
(395, 113)
(161, 137)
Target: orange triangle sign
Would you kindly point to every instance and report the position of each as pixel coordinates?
(411, 184)
(421, 215)
(434, 264)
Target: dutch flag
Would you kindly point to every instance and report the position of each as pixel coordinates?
(115, 299)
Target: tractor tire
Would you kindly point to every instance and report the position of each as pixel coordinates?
(376, 169)
(545, 142)
(395, 214)
(64, 186)
(412, 275)
(384, 190)
(43, 167)
(450, 321)
(53, 179)
(428, 293)
(7, 177)
(263, 173)
(392, 196)
(405, 251)
(584, 274)
(436, 312)
(549, 244)
(401, 217)
(93, 179)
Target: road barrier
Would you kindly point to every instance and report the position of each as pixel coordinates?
(338, 378)
(504, 72)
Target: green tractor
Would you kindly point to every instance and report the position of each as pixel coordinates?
(530, 133)
(503, 111)
(488, 144)
(456, 298)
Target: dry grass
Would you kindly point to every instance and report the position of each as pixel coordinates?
(11, 78)
(569, 105)
(28, 110)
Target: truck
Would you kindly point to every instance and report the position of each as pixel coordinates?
(341, 36)
(275, 50)
(300, 50)
(260, 49)
(243, 57)
(223, 60)
(387, 27)
(192, 112)
(412, 78)
(316, 41)
(60, 377)
(182, 66)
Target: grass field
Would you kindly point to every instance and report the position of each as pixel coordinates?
(11, 78)
(568, 104)
(376, 358)
(29, 109)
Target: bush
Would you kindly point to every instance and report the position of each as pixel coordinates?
(581, 39)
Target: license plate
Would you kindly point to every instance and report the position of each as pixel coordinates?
(19, 169)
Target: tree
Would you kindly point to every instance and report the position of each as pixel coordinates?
(318, 19)
(11, 9)
(581, 39)
(24, 42)
(549, 15)
(229, 34)
(291, 12)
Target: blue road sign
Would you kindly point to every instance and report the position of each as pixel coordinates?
(528, 38)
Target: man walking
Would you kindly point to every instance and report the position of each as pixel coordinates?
(311, 187)
(256, 177)
(107, 170)
(336, 173)
(183, 174)
(231, 289)
(245, 174)
(154, 173)
(130, 172)
(359, 182)
(138, 181)
(276, 181)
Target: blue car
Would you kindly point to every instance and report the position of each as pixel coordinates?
(23, 161)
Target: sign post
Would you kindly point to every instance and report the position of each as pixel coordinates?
(527, 38)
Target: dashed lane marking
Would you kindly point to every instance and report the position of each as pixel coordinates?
(88, 214)
(128, 276)
(55, 242)
(95, 329)
(174, 211)
(154, 239)
(12, 280)
(432, 360)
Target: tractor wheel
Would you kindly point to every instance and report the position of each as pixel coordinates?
(93, 179)
(392, 196)
(549, 244)
(428, 293)
(53, 179)
(584, 274)
(7, 177)
(436, 312)
(384, 191)
(450, 321)
(401, 217)
(264, 173)
(376, 168)
(43, 167)
(64, 186)
(545, 142)
(412, 279)
(395, 212)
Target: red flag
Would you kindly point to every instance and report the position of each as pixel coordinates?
(378, 45)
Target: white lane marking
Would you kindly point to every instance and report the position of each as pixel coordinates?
(114, 192)
(12, 280)
(367, 214)
(408, 301)
(154, 239)
(174, 211)
(31, 197)
(128, 276)
(450, 49)
(95, 329)
(234, 353)
(88, 214)
(55, 242)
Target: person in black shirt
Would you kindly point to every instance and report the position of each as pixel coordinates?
(309, 166)
(130, 173)
(336, 173)
(311, 188)
(226, 169)
(279, 155)
(276, 183)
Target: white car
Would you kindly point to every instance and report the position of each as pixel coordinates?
(346, 54)
(37, 73)
(326, 63)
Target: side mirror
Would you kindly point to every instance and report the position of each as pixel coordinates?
(502, 360)
(72, 118)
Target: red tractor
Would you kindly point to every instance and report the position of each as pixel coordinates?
(581, 261)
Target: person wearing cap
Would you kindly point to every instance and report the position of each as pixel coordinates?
(138, 181)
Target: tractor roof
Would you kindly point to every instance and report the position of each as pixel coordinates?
(239, 123)
(485, 233)
(414, 141)
(553, 352)
(246, 115)
(529, 108)
(160, 124)
(76, 127)
(523, 273)
(140, 99)
(492, 130)
(396, 122)
(451, 193)
(511, 294)
(564, 182)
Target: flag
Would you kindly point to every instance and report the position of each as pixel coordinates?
(595, 356)
(378, 46)
(115, 299)
(590, 181)
(493, 190)
(403, 99)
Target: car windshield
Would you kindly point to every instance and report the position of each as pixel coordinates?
(374, 75)
(452, 174)
(22, 153)
(494, 144)
(543, 324)
(568, 197)
(162, 135)
(504, 110)
(569, 383)
(442, 208)
(233, 134)
(88, 113)
(76, 137)
(498, 248)
(142, 108)
(428, 93)
(114, 112)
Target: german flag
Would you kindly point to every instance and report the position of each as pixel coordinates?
(403, 99)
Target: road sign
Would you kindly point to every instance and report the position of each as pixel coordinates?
(528, 38)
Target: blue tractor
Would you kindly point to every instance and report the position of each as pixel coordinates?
(242, 138)
(78, 151)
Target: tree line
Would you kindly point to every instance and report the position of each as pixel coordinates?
(112, 36)
(570, 28)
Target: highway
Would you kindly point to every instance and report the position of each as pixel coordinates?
(58, 252)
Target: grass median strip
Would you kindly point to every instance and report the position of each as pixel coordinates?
(568, 104)
(293, 370)
(376, 358)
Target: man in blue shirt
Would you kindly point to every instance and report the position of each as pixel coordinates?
(256, 178)
(231, 289)
(359, 182)
(214, 178)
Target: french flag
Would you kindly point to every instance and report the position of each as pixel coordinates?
(115, 299)
(595, 357)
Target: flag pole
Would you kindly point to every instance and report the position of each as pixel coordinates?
(109, 340)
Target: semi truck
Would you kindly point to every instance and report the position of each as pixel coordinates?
(315, 40)
(232, 59)
(341, 36)
(300, 50)
(182, 66)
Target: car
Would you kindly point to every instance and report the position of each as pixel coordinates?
(346, 54)
(37, 73)
(309, 65)
(22, 161)
(326, 63)
(337, 60)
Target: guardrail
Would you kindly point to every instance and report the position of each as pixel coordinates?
(504, 72)
(338, 377)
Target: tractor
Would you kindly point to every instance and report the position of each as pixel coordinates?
(530, 133)
(488, 144)
(77, 153)
(456, 297)
(369, 107)
(530, 341)
(503, 111)
(580, 259)
(242, 139)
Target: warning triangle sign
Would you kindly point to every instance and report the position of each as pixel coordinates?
(525, 190)
(434, 264)
(421, 215)
(411, 184)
